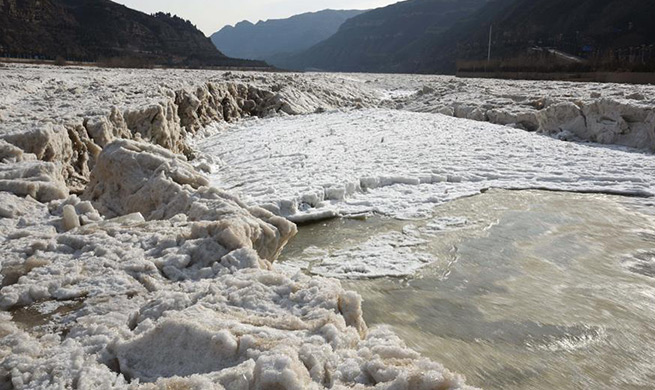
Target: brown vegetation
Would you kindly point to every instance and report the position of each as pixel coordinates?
(126, 62)
(546, 62)
(60, 61)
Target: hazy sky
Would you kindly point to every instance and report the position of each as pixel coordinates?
(211, 15)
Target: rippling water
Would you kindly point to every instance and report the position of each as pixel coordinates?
(528, 290)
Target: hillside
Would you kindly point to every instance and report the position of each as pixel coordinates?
(430, 36)
(266, 40)
(383, 39)
(609, 34)
(93, 30)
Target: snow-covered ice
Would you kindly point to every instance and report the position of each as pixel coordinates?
(402, 164)
(606, 113)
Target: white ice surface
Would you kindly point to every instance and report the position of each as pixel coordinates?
(390, 254)
(402, 164)
(617, 114)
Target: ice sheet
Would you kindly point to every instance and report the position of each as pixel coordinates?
(402, 164)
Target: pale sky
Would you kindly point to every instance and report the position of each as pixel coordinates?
(211, 15)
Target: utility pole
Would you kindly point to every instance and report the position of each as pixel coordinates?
(491, 29)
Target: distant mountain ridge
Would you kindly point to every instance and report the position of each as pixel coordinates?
(270, 39)
(90, 30)
(382, 39)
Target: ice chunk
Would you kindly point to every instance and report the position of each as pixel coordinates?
(177, 348)
(70, 219)
(132, 177)
(40, 180)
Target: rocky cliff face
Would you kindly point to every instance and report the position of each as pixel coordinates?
(92, 30)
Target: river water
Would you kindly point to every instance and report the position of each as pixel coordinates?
(525, 289)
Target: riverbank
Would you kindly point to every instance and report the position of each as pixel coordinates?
(587, 77)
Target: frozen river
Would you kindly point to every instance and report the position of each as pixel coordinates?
(142, 213)
(526, 289)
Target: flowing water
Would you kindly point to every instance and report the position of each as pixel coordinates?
(528, 290)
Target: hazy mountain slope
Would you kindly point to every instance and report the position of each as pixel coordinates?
(93, 29)
(266, 39)
(382, 39)
(429, 36)
(587, 28)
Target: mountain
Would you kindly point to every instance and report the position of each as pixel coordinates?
(619, 31)
(430, 36)
(382, 40)
(92, 30)
(269, 39)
